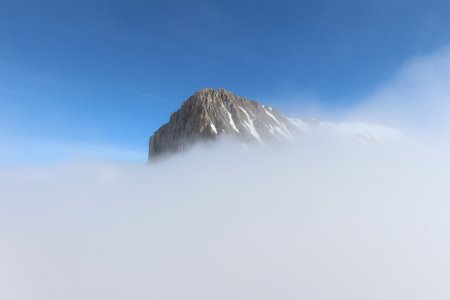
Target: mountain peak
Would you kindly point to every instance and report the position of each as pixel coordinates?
(211, 113)
(210, 96)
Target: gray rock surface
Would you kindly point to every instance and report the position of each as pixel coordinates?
(210, 113)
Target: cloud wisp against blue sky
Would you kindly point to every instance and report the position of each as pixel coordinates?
(110, 72)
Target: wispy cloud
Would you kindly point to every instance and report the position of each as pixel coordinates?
(141, 94)
(417, 97)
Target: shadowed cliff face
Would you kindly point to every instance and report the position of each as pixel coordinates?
(209, 114)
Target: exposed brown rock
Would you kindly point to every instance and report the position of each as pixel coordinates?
(206, 116)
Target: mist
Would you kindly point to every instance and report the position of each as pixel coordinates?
(312, 220)
(416, 99)
(290, 222)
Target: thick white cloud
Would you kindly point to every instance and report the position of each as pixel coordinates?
(288, 223)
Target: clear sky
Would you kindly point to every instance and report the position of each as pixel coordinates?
(77, 73)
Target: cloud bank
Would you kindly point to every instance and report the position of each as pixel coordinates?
(308, 221)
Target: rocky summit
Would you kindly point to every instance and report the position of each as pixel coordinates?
(212, 113)
(209, 114)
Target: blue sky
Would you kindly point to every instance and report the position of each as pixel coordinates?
(110, 72)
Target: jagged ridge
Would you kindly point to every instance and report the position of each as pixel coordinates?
(210, 113)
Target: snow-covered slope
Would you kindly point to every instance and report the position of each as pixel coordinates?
(364, 132)
(210, 114)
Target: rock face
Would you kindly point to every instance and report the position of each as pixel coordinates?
(209, 114)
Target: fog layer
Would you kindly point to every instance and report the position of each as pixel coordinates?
(317, 220)
(288, 223)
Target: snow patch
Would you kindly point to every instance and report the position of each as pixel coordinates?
(368, 132)
(250, 125)
(361, 131)
(213, 128)
(302, 125)
(283, 130)
(231, 119)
